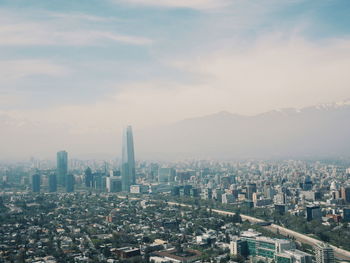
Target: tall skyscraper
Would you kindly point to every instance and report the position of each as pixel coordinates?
(89, 178)
(52, 183)
(324, 253)
(345, 193)
(36, 183)
(62, 167)
(70, 183)
(128, 160)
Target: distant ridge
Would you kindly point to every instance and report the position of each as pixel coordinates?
(320, 130)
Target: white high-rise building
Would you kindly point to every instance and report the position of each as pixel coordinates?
(324, 253)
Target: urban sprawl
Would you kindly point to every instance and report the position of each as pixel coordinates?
(286, 211)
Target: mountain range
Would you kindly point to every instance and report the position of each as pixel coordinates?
(318, 131)
(311, 132)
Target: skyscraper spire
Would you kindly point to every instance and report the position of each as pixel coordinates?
(128, 160)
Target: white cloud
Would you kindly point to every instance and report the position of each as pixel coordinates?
(192, 4)
(16, 69)
(80, 16)
(19, 31)
(273, 73)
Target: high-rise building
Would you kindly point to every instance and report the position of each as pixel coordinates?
(128, 160)
(346, 214)
(251, 188)
(166, 175)
(52, 183)
(324, 253)
(36, 180)
(89, 178)
(345, 193)
(307, 186)
(313, 212)
(62, 167)
(113, 184)
(70, 183)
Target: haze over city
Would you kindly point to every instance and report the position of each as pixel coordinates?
(174, 131)
(73, 75)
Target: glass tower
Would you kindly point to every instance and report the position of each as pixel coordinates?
(128, 160)
(62, 167)
(70, 183)
(36, 180)
(52, 183)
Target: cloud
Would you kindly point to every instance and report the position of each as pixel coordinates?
(273, 72)
(60, 30)
(16, 69)
(191, 4)
(7, 99)
(81, 17)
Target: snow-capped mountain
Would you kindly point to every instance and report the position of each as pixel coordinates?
(321, 130)
(318, 131)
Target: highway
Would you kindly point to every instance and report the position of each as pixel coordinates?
(338, 252)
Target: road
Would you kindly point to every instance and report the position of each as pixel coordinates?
(338, 252)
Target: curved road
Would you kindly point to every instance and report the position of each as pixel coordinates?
(338, 252)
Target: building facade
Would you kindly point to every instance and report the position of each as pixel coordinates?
(324, 253)
(36, 181)
(52, 183)
(62, 167)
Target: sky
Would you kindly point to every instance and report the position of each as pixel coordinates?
(74, 72)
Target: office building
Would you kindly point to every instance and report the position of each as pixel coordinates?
(36, 181)
(227, 198)
(89, 178)
(186, 190)
(154, 171)
(206, 194)
(52, 183)
(313, 212)
(114, 184)
(128, 160)
(166, 175)
(293, 256)
(251, 189)
(251, 243)
(62, 167)
(99, 181)
(307, 185)
(346, 214)
(324, 253)
(345, 193)
(70, 183)
(269, 191)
